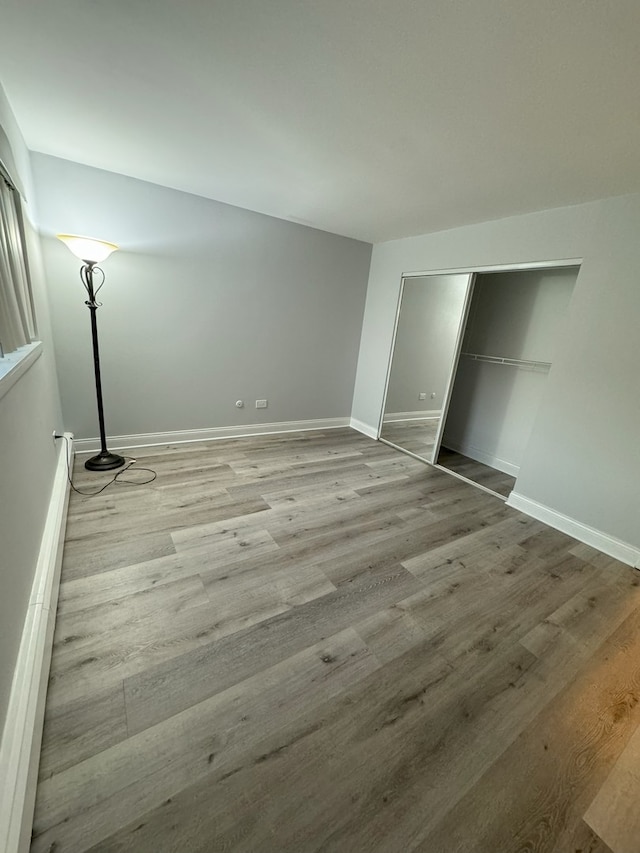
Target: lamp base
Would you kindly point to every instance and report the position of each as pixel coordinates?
(104, 461)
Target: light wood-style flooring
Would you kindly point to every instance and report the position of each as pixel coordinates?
(418, 436)
(311, 642)
(476, 471)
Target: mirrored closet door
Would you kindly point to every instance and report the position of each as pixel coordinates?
(428, 330)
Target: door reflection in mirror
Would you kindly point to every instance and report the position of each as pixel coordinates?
(424, 353)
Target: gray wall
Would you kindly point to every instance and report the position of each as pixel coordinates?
(29, 412)
(205, 304)
(427, 329)
(519, 314)
(582, 458)
(492, 412)
(493, 407)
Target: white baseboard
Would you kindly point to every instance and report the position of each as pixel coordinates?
(427, 414)
(365, 429)
(481, 456)
(22, 736)
(615, 548)
(150, 439)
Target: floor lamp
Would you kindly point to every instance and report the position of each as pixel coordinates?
(91, 252)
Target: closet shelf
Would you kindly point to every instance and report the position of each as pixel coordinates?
(512, 362)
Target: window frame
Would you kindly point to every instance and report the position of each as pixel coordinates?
(14, 363)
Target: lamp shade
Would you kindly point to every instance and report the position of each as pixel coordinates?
(87, 249)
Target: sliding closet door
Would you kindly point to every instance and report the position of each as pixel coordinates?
(455, 356)
(429, 328)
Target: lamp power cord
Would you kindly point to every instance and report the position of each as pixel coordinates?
(116, 477)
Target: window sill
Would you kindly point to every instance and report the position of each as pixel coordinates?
(15, 364)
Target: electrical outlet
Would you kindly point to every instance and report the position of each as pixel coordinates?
(422, 395)
(55, 436)
(261, 404)
(433, 394)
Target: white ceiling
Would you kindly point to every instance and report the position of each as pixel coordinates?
(370, 118)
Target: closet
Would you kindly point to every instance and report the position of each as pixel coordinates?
(513, 325)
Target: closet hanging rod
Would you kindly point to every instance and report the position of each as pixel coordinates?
(513, 362)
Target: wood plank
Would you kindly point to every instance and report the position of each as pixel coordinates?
(96, 649)
(93, 554)
(570, 749)
(613, 813)
(212, 737)
(168, 688)
(73, 731)
(480, 473)
(585, 840)
(83, 627)
(131, 637)
(346, 778)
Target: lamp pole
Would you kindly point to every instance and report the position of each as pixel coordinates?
(105, 460)
(91, 252)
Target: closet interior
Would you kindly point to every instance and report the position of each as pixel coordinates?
(513, 325)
